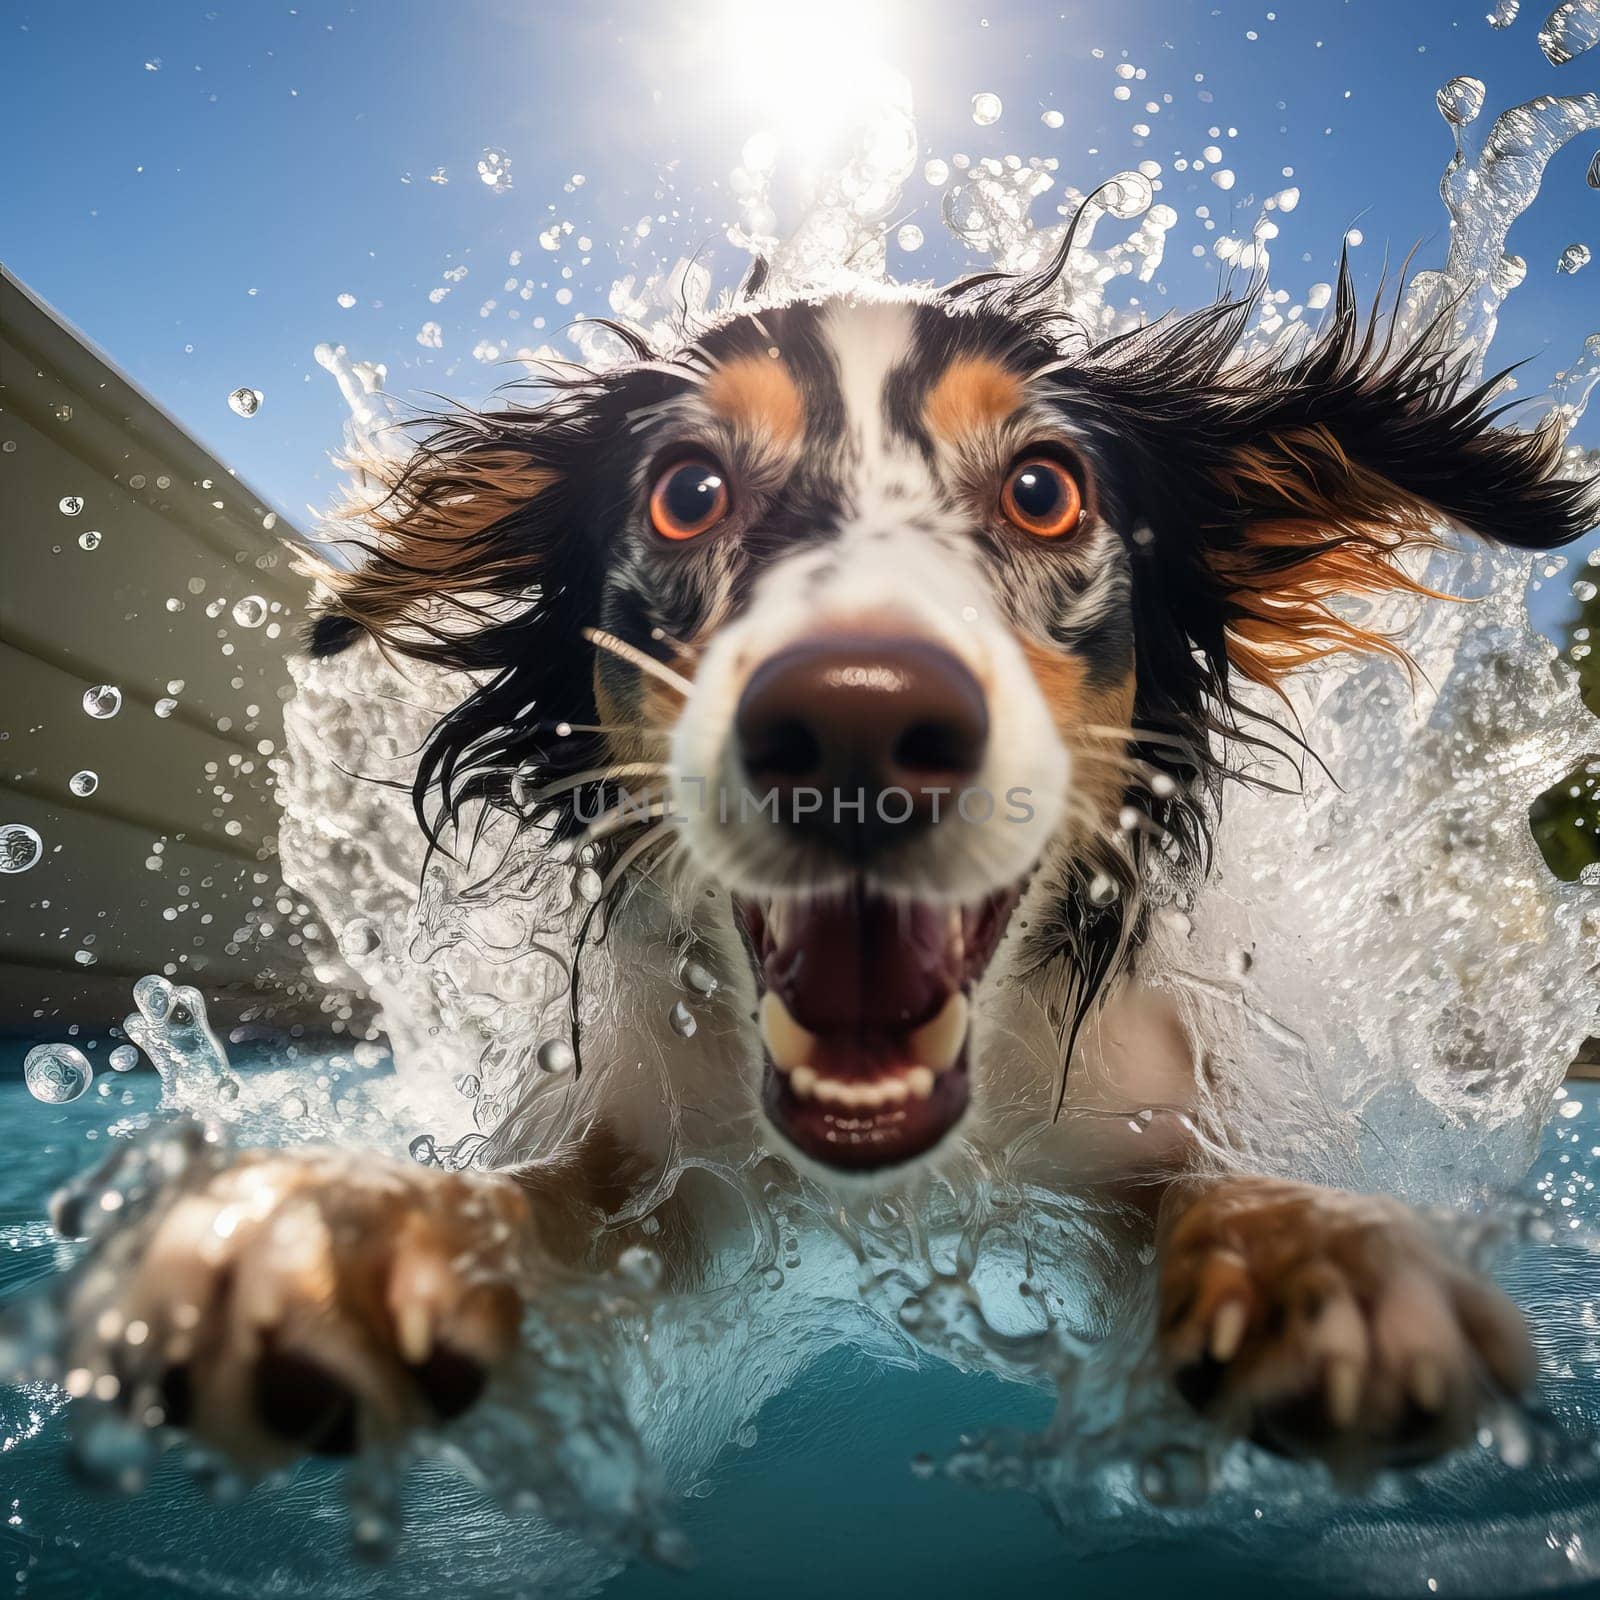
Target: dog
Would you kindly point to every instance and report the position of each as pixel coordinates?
(920, 625)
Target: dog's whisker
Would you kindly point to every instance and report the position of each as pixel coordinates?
(638, 658)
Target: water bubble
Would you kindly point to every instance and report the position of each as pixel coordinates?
(293, 1107)
(250, 612)
(937, 172)
(56, 1073)
(469, 1085)
(124, 1058)
(165, 706)
(682, 1020)
(245, 402)
(1052, 119)
(494, 170)
(89, 539)
(346, 300)
(1583, 591)
(69, 505)
(1573, 259)
(359, 938)
(1504, 13)
(1460, 100)
(588, 885)
(84, 784)
(423, 1150)
(909, 237)
(102, 701)
(922, 1466)
(985, 109)
(555, 1055)
(20, 847)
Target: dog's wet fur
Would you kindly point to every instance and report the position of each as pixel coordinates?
(873, 593)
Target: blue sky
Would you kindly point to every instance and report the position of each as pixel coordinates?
(196, 185)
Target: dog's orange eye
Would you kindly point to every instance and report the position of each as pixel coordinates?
(689, 498)
(1042, 498)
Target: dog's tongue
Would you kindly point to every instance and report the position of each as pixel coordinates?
(858, 962)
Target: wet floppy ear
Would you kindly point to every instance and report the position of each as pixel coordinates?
(1319, 477)
(451, 542)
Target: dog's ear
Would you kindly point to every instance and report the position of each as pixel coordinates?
(452, 541)
(1271, 488)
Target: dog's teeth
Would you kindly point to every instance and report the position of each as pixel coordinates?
(919, 1081)
(956, 936)
(803, 1080)
(936, 1044)
(787, 1042)
(777, 920)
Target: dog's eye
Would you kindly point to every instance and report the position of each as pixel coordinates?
(689, 498)
(1042, 498)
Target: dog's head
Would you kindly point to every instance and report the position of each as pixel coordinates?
(892, 605)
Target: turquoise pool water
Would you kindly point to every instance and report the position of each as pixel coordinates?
(819, 1496)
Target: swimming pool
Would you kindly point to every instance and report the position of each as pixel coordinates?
(839, 1483)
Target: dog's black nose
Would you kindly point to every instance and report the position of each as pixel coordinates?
(861, 739)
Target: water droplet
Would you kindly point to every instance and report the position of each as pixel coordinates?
(293, 1106)
(83, 783)
(1460, 100)
(588, 885)
(1570, 30)
(494, 170)
(250, 612)
(468, 1085)
(1126, 196)
(422, 1149)
(359, 938)
(682, 1020)
(697, 978)
(89, 539)
(937, 172)
(69, 505)
(165, 706)
(56, 1073)
(641, 1266)
(124, 1058)
(346, 300)
(909, 237)
(986, 109)
(1573, 259)
(20, 847)
(1052, 119)
(245, 402)
(555, 1055)
(102, 701)
(1102, 890)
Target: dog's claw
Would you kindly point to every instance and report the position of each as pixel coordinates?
(308, 1303)
(1332, 1325)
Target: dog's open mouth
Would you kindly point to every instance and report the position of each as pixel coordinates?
(864, 1014)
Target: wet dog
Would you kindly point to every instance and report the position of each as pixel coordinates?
(920, 625)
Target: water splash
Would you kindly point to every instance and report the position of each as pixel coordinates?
(1375, 888)
(1569, 30)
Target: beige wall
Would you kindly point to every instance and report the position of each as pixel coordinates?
(171, 519)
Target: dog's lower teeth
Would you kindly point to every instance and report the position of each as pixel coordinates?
(803, 1080)
(937, 1043)
(788, 1044)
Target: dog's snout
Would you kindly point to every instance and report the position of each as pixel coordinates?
(875, 731)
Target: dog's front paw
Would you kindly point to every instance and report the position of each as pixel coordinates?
(1321, 1323)
(306, 1302)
